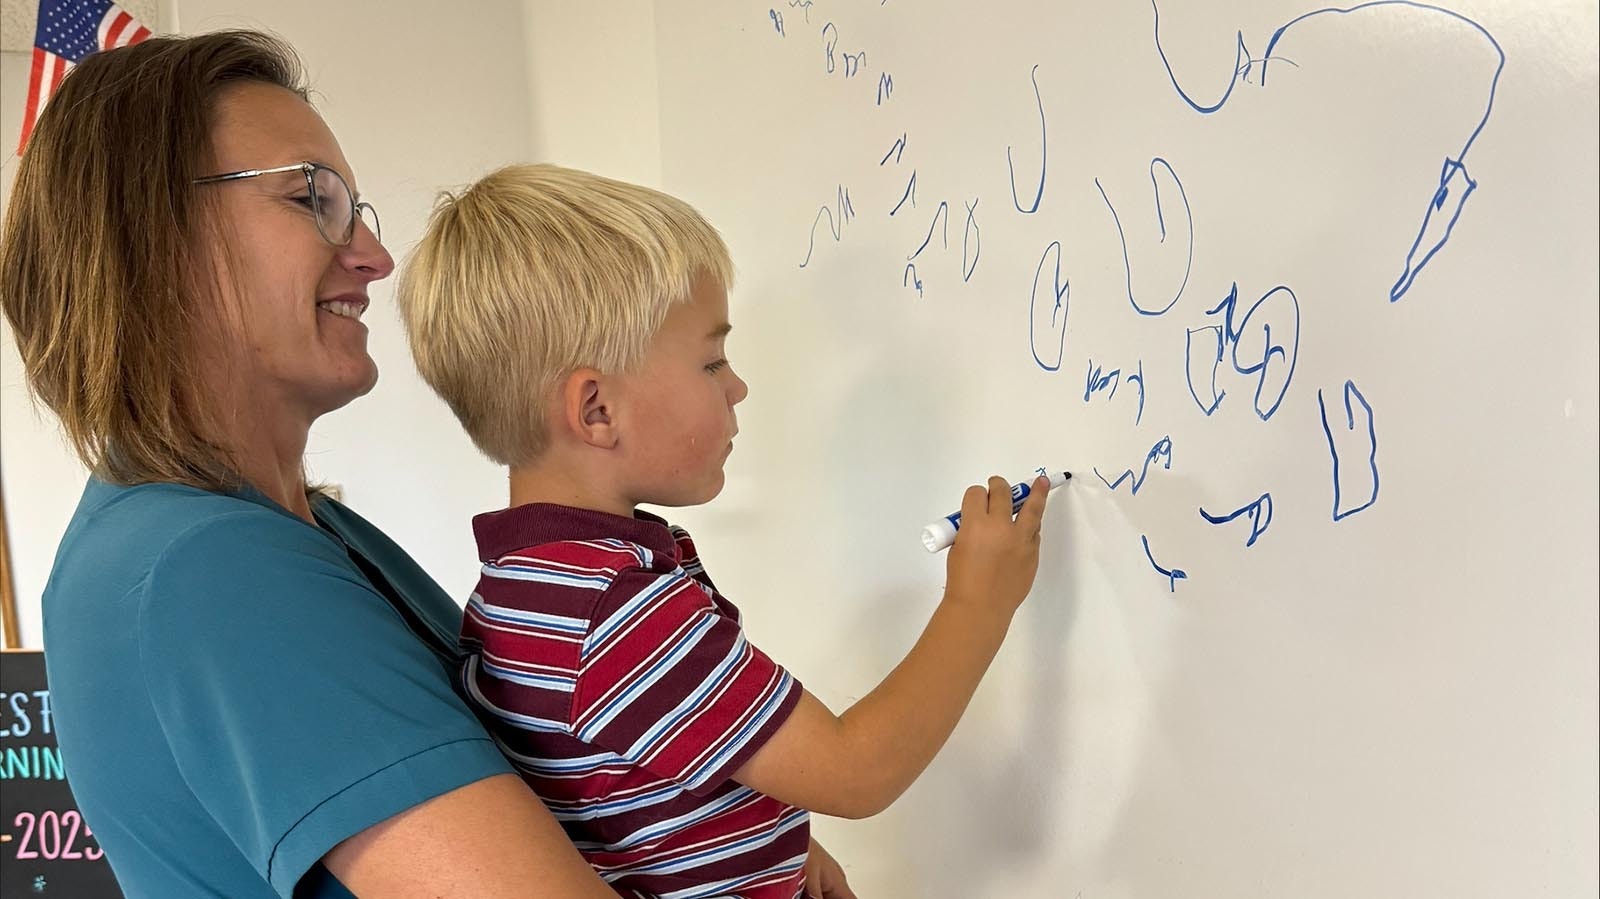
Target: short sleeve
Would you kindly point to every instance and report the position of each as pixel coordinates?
(671, 684)
(299, 708)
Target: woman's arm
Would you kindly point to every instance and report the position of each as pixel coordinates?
(489, 839)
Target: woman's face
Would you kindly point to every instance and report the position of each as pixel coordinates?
(294, 345)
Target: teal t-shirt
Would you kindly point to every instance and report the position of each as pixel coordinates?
(234, 696)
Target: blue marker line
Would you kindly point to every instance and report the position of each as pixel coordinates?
(1216, 360)
(1139, 378)
(1161, 223)
(1173, 576)
(1350, 425)
(1289, 352)
(1162, 450)
(1061, 296)
(835, 225)
(1043, 153)
(909, 278)
(1259, 512)
(911, 194)
(971, 229)
(942, 211)
(1454, 181)
(897, 148)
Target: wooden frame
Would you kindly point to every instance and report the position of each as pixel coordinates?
(8, 593)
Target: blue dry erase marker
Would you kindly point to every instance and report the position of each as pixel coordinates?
(942, 533)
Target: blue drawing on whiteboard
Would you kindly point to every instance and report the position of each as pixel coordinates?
(777, 21)
(941, 216)
(836, 222)
(1139, 379)
(910, 194)
(1278, 305)
(970, 231)
(1161, 223)
(1258, 512)
(1097, 380)
(1050, 317)
(885, 87)
(910, 279)
(852, 63)
(1446, 199)
(1212, 357)
(830, 39)
(1162, 450)
(1173, 575)
(1043, 157)
(804, 6)
(1344, 474)
(895, 149)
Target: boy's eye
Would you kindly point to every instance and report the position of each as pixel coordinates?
(716, 366)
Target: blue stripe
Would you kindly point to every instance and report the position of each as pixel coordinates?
(645, 681)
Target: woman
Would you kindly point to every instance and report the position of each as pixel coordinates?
(250, 680)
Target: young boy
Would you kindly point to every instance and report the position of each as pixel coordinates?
(576, 325)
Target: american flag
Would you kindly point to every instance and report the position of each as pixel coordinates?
(68, 31)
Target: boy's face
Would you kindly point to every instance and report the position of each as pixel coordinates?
(680, 419)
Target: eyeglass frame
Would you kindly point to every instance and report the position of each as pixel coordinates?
(310, 170)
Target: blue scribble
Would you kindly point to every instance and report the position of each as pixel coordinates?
(885, 87)
(1161, 223)
(1097, 380)
(940, 215)
(1454, 180)
(1139, 379)
(895, 149)
(1043, 157)
(1058, 307)
(777, 21)
(971, 230)
(1214, 357)
(910, 194)
(830, 39)
(1162, 450)
(1173, 576)
(804, 6)
(836, 222)
(1259, 513)
(852, 63)
(1350, 392)
(1262, 367)
(910, 279)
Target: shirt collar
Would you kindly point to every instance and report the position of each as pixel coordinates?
(507, 530)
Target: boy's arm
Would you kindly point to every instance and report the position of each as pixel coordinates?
(854, 765)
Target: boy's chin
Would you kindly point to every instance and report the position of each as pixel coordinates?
(682, 496)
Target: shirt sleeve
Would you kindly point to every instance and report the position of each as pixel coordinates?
(670, 683)
(298, 707)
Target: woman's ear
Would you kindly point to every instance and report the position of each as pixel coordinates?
(589, 408)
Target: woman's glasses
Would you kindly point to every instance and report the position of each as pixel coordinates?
(332, 204)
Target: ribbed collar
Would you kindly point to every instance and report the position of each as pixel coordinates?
(507, 530)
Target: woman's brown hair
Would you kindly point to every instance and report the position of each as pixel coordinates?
(98, 259)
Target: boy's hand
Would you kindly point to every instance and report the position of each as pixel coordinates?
(994, 559)
(824, 877)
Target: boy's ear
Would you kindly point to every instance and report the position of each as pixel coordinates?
(589, 409)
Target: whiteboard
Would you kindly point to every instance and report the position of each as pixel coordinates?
(1305, 298)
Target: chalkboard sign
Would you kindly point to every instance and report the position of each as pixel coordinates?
(47, 848)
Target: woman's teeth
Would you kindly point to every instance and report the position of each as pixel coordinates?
(344, 308)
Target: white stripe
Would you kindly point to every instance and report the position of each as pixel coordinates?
(545, 576)
(779, 871)
(506, 615)
(658, 829)
(764, 836)
(662, 586)
(636, 682)
(516, 719)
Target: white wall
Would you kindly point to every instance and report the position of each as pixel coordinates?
(416, 107)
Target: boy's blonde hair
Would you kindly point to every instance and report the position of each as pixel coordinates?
(536, 271)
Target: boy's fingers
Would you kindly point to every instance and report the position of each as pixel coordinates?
(999, 496)
(973, 502)
(1031, 518)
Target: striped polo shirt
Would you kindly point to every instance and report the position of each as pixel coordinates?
(619, 682)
